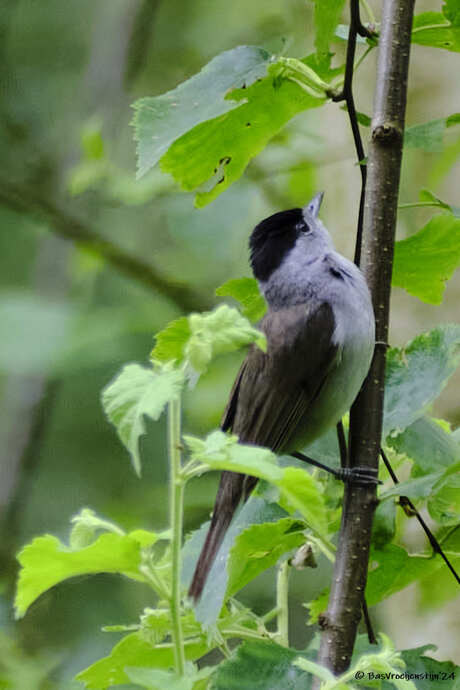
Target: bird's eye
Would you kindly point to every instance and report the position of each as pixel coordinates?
(302, 227)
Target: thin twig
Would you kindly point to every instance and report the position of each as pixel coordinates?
(346, 95)
(406, 502)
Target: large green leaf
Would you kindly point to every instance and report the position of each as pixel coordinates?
(200, 337)
(428, 444)
(392, 569)
(246, 292)
(206, 131)
(430, 674)
(424, 262)
(215, 153)
(136, 392)
(160, 120)
(299, 490)
(429, 136)
(327, 16)
(255, 511)
(47, 561)
(133, 650)
(437, 30)
(259, 547)
(416, 374)
(261, 666)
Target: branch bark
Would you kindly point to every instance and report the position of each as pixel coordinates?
(384, 164)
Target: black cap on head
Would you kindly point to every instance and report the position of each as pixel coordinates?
(272, 239)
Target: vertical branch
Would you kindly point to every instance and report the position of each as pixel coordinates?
(384, 164)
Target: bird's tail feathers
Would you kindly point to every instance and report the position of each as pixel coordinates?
(214, 538)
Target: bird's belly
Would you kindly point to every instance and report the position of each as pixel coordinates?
(339, 390)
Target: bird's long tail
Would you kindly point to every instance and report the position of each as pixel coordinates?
(230, 492)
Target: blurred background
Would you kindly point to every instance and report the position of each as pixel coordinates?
(93, 263)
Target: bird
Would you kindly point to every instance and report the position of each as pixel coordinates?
(320, 334)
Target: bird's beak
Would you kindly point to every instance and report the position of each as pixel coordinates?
(314, 205)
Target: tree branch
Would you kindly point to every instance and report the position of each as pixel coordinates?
(23, 200)
(384, 165)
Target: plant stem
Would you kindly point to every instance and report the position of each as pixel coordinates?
(282, 603)
(417, 204)
(176, 521)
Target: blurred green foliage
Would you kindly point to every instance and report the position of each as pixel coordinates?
(71, 317)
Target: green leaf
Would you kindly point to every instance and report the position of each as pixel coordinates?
(426, 195)
(444, 503)
(327, 16)
(47, 561)
(451, 11)
(392, 569)
(428, 445)
(261, 666)
(161, 120)
(259, 547)
(214, 154)
(159, 679)
(427, 136)
(384, 523)
(86, 523)
(416, 374)
(434, 29)
(317, 606)
(221, 451)
(431, 674)
(218, 331)
(171, 341)
(424, 262)
(246, 291)
(136, 392)
(132, 650)
(421, 487)
(255, 511)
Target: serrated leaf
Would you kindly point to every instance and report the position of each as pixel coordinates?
(46, 561)
(434, 29)
(261, 666)
(391, 569)
(246, 292)
(430, 673)
(259, 547)
(218, 331)
(428, 445)
(171, 341)
(415, 375)
(136, 392)
(327, 16)
(161, 120)
(300, 491)
(421, 487)
(317, 606)
(424, 262)
(132, 650)
(215, 153)
(85, 525)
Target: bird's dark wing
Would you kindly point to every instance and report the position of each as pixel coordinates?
(269, 401)
(273, 390)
